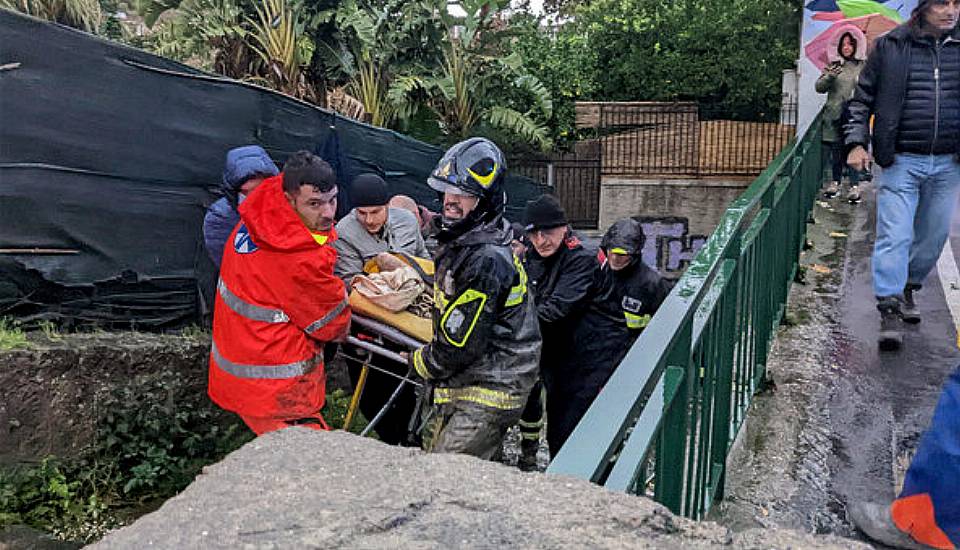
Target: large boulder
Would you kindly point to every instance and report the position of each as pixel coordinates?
(299, 488)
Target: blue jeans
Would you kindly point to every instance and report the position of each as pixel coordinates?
(916, 196)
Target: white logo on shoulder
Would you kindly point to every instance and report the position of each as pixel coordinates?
(242, 242)
(631, 304)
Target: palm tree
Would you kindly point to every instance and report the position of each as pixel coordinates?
(375, 45)
(81, 14)
(278, 38)
(476, 85)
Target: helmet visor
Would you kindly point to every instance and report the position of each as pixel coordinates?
(445, 187)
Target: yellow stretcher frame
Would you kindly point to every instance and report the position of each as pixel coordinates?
(418, 328)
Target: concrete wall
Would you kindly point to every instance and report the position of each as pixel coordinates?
(677, 214)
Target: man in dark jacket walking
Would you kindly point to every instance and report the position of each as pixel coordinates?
(561, 274)
(911, 85)
(482, 361)
(245, 169)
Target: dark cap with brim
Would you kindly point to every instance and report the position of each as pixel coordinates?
(544, 212)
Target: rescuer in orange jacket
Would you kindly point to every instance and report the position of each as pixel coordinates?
(278, 301)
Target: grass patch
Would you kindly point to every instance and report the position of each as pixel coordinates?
(50, 331)
(195, 332)
(335, 412)
(11, 335)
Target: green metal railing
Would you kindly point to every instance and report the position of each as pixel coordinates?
(666, 419)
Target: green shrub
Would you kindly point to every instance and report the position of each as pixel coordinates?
(154, 435)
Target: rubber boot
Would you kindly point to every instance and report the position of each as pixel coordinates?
(528, 454)
(875, 522)
(891, 324)
(909, 311)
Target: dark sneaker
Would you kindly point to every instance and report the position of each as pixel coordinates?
(891, 325)
(875, 522)
(832, 189)
(853, 195)
(909, 312)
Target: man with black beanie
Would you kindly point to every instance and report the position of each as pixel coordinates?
(561, 275)
(372, 227)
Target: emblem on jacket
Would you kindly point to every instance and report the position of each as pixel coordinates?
(448, 288)
(631, 304)
(242, 242)
(455, 322)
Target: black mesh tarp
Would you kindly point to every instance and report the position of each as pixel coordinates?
(110, 155)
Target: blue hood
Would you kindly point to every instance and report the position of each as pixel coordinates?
(242, 164)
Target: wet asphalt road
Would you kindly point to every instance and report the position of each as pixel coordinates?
(843, 418)
(886, 398)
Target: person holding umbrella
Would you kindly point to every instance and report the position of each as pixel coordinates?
(839, 80)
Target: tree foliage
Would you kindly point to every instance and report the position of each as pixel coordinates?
(728, 53)
(564, 64)
(491, 70)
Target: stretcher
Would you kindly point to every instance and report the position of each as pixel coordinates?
(377, 339)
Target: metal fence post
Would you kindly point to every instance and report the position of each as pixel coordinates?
(671, 449)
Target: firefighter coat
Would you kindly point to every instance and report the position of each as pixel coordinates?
(486, 343)
(622, 304)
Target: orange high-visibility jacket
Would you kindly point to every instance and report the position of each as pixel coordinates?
(277, 302)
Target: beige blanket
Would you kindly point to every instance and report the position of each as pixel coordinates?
(394, 288)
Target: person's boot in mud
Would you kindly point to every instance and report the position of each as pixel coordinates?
(909, 311)
(529, 446)
(891, 323)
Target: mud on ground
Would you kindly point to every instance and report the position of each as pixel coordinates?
(49, 391)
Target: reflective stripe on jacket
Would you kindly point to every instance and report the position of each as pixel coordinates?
(277, 300)
(486, 340)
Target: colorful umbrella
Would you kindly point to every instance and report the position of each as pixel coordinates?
(859, 8)
(823, 5)
(828, 5)
(822, 50)
(828, 16)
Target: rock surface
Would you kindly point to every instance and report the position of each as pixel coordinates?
(299, 488)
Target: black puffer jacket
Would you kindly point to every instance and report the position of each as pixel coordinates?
(486, 339)
(912, 86)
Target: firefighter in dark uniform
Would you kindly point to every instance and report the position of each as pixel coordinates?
(627, 294)
(626, 280)
(561, 274)
(482, 361)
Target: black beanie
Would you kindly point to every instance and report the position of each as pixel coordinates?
(368, 190)
(544, 212)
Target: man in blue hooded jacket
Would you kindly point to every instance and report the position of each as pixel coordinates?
(245, 169)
